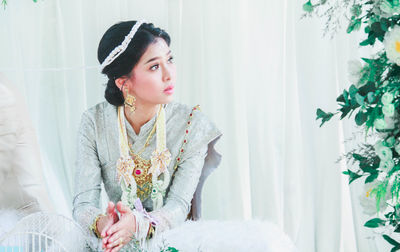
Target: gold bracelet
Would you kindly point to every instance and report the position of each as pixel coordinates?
(151, 232)
(93, 227)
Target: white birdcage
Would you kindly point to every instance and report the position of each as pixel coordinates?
(45, 232)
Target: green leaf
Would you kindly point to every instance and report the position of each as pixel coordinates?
(374, 223)
(391, 241)
(384, 24)
(171, 249)
(353, 91)
(346, 96)
(360, 99)
(358, 157)
(340, 98)
(308, 7)
(345, 110)
(369, 41)
(361, 118)
(371, 97)
(369, 87)
(324, 116)
(377, 29)
(371, 178)
(352, 176)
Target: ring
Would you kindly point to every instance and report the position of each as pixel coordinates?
(121, 241)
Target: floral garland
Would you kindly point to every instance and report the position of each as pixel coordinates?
(373, 97)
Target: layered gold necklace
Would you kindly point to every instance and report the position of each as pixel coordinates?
(140, 178)
(141, 171)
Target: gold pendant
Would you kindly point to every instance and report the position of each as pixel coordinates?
(142, 178)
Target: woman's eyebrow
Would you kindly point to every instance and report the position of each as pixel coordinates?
(157, 57)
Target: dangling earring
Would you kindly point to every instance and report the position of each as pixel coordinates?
(130, 101)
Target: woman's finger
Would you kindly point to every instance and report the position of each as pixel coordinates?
(114, 228)
(122, 208)
(117, 239)
(106, 228)
(116, 249)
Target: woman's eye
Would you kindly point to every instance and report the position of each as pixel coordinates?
(155, 67)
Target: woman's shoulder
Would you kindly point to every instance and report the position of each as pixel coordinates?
(99, 115)
(179, 110)
(99, 111)
(200, 129)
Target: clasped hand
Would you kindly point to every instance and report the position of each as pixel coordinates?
(117, 232)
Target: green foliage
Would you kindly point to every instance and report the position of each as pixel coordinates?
(374, 99)
(324, 116)
(171, 249)
(374, 223)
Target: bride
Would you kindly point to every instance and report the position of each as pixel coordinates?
(152, 154)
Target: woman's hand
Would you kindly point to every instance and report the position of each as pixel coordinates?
(120, 234)
(105, 222)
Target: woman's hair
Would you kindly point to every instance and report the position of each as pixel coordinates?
(124, 63)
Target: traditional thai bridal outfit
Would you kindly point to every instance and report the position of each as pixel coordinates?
(171, 156)
(181, 139)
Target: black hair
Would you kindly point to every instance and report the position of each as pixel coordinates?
(124, 63)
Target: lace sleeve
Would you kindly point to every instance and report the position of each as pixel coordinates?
(87, 177)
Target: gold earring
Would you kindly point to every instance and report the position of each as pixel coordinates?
(130, 102)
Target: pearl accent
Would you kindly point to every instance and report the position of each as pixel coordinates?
(122, 47)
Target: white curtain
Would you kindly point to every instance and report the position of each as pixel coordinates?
(256, 69)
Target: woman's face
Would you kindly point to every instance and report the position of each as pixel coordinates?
(152, 80)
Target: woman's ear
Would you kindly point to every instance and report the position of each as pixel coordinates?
(119, 82)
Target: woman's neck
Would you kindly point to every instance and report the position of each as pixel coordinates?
(142, 115)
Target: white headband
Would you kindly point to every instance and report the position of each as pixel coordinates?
(122, 47)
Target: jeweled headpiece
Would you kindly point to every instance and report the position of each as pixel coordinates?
(122, 47)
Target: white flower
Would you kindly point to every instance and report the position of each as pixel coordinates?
(388, 110)
(354, 68)
(389, 7)
(381, 177)
(384, 153)
(380, 124)
(390, 122)
(392, 45)
(387, 98)
(386, 165)
(384, 123)
(397, 148)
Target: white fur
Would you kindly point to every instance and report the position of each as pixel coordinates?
(220, 236)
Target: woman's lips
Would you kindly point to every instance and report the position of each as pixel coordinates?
(169, 89)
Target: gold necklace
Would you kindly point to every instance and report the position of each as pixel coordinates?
(140, 173)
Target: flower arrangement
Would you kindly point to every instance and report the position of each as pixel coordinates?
(374, 98)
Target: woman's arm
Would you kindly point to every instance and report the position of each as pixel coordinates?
(87, 176)
(184, 184)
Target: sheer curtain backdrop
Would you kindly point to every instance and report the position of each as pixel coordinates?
(256, 69)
